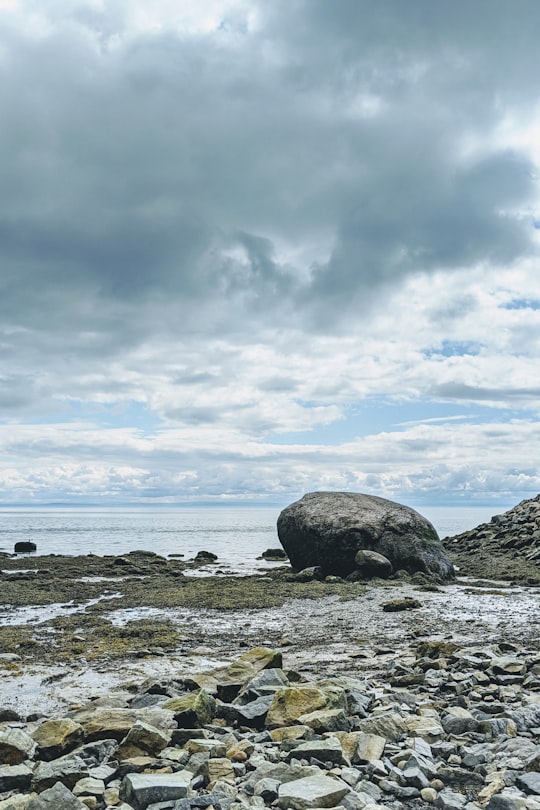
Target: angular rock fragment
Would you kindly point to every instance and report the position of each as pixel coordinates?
(141, 789)
(312, 791)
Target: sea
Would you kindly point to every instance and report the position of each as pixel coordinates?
(238, 535)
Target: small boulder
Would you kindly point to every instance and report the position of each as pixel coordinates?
(56, 737)
(293, 702)
(24, 546)
(204, 557)
(141, 789)
(194, 710)
(311, 791)
(58, 797)
(15, 746)
(274, 554)
(371, 564)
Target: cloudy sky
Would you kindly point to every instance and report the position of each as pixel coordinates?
(252, 249)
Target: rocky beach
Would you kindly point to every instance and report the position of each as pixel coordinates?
(131, 682)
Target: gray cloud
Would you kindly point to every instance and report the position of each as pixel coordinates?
(171, 197)
(128, 169)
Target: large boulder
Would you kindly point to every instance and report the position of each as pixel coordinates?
(327, 529)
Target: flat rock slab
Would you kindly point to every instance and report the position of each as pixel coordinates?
(312, 791)
(142, 789)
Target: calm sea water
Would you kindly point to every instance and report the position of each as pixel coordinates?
(237, 535)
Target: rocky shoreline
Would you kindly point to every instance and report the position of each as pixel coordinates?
(398, 692)
(446, 726)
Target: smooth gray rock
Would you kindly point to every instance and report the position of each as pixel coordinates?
(449, 800)
(371, 564)
(313, 791)
(529, 782)
(327, 529)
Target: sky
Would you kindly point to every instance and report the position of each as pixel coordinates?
(250, 250)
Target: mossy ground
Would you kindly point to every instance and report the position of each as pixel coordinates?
(136, 581)
(144, 580)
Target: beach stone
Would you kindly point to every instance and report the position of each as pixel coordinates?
(142, 739)
(23, 546)
(193, 710)
(15, 746)
(58, 797)
(457, 720)
(251, 714)
(390, 725)
(428, 795)
(428, 728)
(371, 564)
(450, 800)
(369, 748)
(219, 768)
(89, 786)
(502, 802)
(327, 529)
(102, 723)
(290, 703)
(141, 789)
(312, 791)
(274, 554)
(68, 770)
(18, 801)
(296, 732)
(529, 782)
(214, 748)
(213, 799)
(264, 682)
(267, 789)
(56, 737)
(327, 750)
(15, 777)
(324, 720)
(226, 682)
(205, 557)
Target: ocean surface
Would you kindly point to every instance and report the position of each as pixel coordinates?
(238, 535)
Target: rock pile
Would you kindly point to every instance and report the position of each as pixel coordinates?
(508, 547)
(443, 726)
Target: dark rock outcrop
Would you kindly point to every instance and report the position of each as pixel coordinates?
(327, 529)
(508, 547)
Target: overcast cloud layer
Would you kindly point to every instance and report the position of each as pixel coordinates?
(253, 249)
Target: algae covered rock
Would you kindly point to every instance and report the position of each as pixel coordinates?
(292, 703)
(328, 529)
(194, 710)
(57, 736)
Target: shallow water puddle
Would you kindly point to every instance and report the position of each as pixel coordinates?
(35, 614)
(49, 688)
